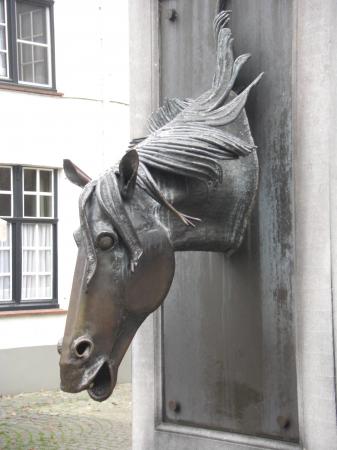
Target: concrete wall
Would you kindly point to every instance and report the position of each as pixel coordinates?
(88, 124)
(30, 369)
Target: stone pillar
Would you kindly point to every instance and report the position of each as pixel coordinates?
(315, 79)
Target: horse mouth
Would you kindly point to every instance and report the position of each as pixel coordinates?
(103, 383)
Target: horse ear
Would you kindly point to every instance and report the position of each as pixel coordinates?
(75, 174)
(128, 169)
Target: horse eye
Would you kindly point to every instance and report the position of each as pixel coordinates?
(105, 241)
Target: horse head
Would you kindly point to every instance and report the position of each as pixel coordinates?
(200, 158)
(124, 268)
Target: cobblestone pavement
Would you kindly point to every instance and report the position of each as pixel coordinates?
(59, 421)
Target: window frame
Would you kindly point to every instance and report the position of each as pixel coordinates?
(7, 39)
(16, 221)
(13, 77)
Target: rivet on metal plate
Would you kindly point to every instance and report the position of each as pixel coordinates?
(284, 422)
(174, 406)
(172, 15)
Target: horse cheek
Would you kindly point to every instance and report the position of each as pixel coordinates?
(150, 283)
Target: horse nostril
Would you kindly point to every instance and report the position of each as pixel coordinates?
(83, 348)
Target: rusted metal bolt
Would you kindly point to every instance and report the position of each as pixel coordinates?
(172, 15)
(174, 406)
(284, 422)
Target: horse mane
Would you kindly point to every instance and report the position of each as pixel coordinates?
(191, 137)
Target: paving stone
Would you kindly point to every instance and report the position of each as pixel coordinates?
(54, 420)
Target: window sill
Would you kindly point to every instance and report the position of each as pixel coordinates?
(29, 89)
(33, 312)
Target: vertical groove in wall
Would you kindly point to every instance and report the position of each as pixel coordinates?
(333, 322)
(333, 183)
(299, 368)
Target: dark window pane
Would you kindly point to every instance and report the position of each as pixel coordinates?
(45, 181)
(39, 25)
(27, 73)
(41, 73)
(30, 206)
(25, 61)
(5, 205)
(3, 45)
(5, 179)
(30, 180)
(2, 11)
(45, 206)
(26, 52)
(33, 63)
(24, 23)
(40, 65)
(40, 54)
(31, 22)
(3, 65)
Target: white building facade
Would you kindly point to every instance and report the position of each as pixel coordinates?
(64, 95)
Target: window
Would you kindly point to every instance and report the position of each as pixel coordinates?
(28, 259)
(26, 42)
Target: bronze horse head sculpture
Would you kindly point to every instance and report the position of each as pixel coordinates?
(189, 185)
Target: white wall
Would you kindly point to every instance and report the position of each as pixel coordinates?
(89, 125)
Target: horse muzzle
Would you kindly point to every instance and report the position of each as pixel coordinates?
(99, 379)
